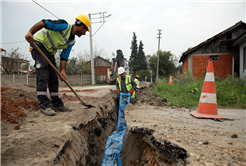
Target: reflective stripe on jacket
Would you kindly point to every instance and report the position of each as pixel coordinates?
(137, 82)
(53, 40)
(128, 84)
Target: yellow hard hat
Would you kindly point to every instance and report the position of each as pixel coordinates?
(84, 19)
(137, 76)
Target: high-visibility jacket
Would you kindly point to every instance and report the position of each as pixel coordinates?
(53, 40)
(137, 82)
(128, 84)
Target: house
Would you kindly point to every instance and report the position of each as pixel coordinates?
(101, 65)
(14, 66)
(226, 49)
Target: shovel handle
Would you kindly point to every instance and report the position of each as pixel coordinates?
(54, 68)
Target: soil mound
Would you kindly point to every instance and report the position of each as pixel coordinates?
(15, 102)
(14, 85)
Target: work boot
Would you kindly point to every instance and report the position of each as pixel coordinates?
(62, 109)
(48, 111)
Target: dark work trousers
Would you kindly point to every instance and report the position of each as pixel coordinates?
(45, 75)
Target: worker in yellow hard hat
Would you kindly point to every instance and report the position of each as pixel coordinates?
(54, 35)
(137, 82)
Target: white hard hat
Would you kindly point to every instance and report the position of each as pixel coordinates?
(121, 70)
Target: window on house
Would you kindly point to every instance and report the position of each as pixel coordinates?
(213, 57)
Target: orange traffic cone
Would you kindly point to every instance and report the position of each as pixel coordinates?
(170, 80)
(207, 107)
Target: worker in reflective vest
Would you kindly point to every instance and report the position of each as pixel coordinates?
(125, 83)
(137, 82)
(55, 34)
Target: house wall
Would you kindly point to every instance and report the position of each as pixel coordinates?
(197, 64)
(102, 70)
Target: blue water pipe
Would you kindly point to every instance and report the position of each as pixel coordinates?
(115, 141)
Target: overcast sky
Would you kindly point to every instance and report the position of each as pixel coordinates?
(183, 23)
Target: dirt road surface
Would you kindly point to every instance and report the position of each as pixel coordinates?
(157, 134)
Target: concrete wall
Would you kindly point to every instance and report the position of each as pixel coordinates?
(73, 80)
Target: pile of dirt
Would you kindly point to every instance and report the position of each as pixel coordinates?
(14, 103)
(144, 96)
(14, 85)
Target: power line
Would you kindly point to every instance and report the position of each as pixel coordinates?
(99, 46)
(102, 6)
(45, 9)
(109, 6)
(115, 29)
(116, 36)
(118, 27)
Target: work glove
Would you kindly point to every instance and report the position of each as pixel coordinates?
(119, 91)
(131, 92)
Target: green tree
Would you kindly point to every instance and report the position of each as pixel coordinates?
(73, 67)
(137, 59)
(142, 62)
(148, 59)
(179, 69)
(13, 60)
(142, 74)
(134, 53)
(166, 64)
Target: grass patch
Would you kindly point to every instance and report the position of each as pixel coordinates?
(185, 92)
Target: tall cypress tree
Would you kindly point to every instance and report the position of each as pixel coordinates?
(133, 61)
(142, 62)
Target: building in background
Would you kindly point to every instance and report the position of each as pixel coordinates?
(14, 66)
(101, 65)
(226, 49)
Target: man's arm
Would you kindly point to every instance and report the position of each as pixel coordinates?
(33, 30)
(63, 70)
(134, 85)
(117, 85)
(63, 62)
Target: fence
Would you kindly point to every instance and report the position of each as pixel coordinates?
(73, 80)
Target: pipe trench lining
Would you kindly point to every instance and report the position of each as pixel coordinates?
(95, 132)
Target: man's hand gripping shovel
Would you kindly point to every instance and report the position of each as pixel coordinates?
(54, 68)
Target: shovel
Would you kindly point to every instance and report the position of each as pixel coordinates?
(41, 53)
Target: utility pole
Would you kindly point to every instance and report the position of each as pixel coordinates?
(91, 46)
(158, 55)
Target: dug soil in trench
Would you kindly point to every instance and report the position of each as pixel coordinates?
(139, 146)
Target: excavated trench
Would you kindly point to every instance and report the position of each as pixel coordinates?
(139, 147)
(84, 145)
